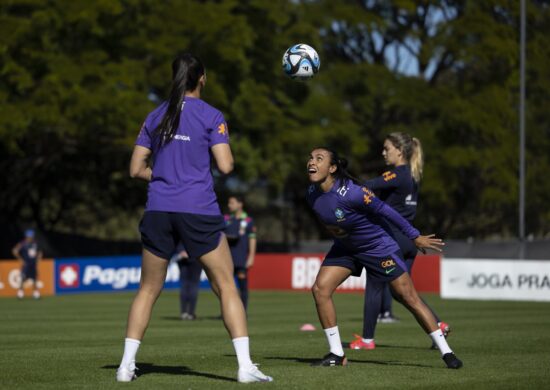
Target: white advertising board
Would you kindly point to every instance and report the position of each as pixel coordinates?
(488, 279)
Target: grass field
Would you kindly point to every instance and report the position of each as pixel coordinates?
(76, 342)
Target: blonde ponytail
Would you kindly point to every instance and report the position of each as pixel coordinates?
(417, 160)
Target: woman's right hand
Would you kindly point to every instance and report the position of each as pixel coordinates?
(429, 242)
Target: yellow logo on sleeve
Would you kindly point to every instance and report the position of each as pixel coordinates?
(367, 198)
(389, 175)
(222, 129)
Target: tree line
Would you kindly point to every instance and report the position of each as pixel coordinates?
(78, 78)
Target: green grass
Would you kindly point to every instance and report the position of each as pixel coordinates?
(76, 342)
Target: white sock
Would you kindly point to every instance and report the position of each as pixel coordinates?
(131, 347)
(368, 340)
(439, 340)
(333, 338)
(243, 351)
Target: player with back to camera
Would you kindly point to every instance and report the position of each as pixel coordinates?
(178, 138)
(355, 217)
(398, 188)
(28, 252)
(241, 236)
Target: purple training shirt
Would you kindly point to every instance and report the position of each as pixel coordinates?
(182, 180)
(353, 214)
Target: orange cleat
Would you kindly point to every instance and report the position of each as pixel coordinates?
(358, 343)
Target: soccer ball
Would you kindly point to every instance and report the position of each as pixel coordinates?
(301, 62)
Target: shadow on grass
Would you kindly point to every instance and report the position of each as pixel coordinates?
(206, 318)
(346, 345)
(377, 362)
(150, 368)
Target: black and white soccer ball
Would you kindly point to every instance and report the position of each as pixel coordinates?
(301, 62)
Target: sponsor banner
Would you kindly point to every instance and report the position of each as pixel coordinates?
(518, 280)
(298, 272)
(95, 274)
(10, 278)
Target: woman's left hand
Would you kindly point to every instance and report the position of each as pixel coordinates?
(429, 242)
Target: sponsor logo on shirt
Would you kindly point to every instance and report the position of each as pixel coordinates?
(181, 137)
(342, 191)
(389, 175)
(388, 263)
(367, 198)
(409, 201)
(339, 213)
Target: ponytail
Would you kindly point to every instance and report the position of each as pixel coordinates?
(412, 152)
(417, 160)
(186, 72)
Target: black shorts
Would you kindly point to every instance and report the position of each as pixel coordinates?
(28, 272)
(383, 268)
(161, 231)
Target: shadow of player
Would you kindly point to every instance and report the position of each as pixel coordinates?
(150, 368)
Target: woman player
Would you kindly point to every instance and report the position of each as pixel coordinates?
(355, 217)
(398, 188)
(179, 137)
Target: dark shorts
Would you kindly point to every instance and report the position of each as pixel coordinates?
(28, 272)
(383, 269)
(161, 231)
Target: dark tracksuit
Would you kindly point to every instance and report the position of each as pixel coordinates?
(398, 189)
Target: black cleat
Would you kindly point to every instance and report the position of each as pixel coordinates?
(330, 360)
(452, 361)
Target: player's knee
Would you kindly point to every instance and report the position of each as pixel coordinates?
(319, 292)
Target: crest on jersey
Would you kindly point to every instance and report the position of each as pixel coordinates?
(368, 195)
(339, 213)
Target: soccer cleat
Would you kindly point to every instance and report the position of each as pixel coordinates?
(188, 317)
(36, 294)
(388, 318)
(358, 343)
(20, 294)
(125, 374)
(452, 361)
(252, 374)
(331, 360)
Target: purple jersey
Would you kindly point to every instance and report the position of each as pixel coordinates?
(353, 214)
(181, 180)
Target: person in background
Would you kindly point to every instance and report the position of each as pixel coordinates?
(241, 235)
(398, 188)
(190, 278)
(29, 253)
